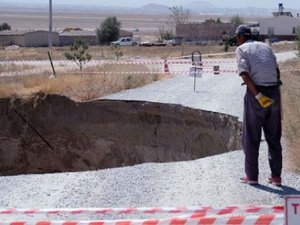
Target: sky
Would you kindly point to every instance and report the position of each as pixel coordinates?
(288, 4)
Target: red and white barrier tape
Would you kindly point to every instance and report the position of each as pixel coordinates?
(188, 57)
(205, 70)
(120, 62)
(31, 72)
(194, 211)
(235, 220)
(206, 55)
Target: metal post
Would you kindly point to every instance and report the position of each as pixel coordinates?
(50, 24)
(49, 55)
(196, 63)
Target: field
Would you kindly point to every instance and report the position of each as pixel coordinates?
(90, 20)
(148, 24)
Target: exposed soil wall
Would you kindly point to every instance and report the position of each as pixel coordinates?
(55, 134)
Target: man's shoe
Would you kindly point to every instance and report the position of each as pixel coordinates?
(246, 180)
(275, 180)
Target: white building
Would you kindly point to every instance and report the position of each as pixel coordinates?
(283, 25)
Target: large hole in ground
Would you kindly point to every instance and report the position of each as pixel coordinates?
(54, 134)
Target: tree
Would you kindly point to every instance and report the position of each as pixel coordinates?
(165, 34)
(237, 20)
(5, 26)
(219, 21)
(109, 30)
(117, 50)
(179, 15)
(78, 53)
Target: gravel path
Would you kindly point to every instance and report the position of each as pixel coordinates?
(209, 181)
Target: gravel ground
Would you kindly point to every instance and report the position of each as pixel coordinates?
(211, 181)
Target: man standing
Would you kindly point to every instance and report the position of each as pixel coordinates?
(262, 107)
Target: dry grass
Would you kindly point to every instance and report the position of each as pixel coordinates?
(106, 52)
(91, 83)
(284, 46)
(14, 67)
(291, 113)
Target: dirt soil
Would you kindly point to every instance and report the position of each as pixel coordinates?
(55, 134)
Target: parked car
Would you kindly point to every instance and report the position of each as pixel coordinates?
(146, 43)
(274, 39)
(159, 44)
(125, 41)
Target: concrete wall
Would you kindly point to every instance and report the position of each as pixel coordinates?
(29, 39)
(40, 39)
(282, 25)
(69, 40)
(204, 31)
(12, 40)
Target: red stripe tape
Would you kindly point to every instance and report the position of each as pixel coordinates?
(18, 223)
(104, 211)
(265, 220)
(237, 220)
(70, 223)
(43, 223)
(123, 223)
(199, 214)
(253, 210)
(151, 222)
(8, 211)
(77, 212)
(227, 210)
(207, 221)
(96, 223)
(178, 221)
(153, 210)
(128, 211)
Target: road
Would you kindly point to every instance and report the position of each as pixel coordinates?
(210, 181)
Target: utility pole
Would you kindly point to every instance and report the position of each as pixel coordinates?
(50, 24)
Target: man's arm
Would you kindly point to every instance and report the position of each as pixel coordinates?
(248, 81)
(263, 100)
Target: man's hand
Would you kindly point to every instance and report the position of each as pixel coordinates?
(263, 100)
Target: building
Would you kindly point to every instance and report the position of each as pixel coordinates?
(68, 37)
(37, 38)
(203, 32)
(281, 12)
(282, 25)
(40, 38)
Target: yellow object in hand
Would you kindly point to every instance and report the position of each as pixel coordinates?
(263, 100)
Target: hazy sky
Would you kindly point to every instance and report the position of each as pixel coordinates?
(288, 4)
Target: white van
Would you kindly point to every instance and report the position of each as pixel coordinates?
(125, 41)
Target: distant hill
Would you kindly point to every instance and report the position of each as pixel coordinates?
(198, 5)
(204, 7)
(155, 8)
(195, 7)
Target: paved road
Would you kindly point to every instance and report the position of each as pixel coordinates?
(219, 93)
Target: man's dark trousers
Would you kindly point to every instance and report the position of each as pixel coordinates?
(255, 118)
